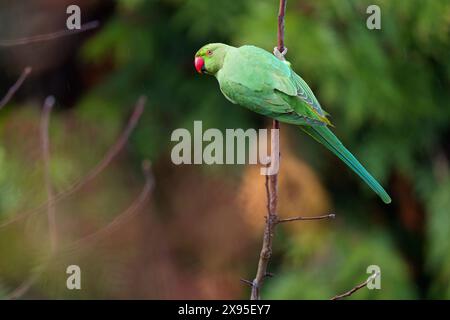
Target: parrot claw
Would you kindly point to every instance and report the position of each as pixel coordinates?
(280, 55)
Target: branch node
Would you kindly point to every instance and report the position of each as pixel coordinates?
(247, 282)
(356, 288)
(280, 54)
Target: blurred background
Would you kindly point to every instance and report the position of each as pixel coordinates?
(200, 230)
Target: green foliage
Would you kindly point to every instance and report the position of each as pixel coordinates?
(387, 92)
(333, 263)
(148, 46)
(438, 230)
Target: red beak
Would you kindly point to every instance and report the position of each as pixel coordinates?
(199, 64)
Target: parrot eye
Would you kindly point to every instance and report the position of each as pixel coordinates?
(209, 52)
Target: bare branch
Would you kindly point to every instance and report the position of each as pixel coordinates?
(266, 251)
(327, 216)
(271, 188)
(79, 244)
(125, 215)
(281, 18)
(23, 288)
(107, 159)
(49, 36)
(16, 86)
(359, 286)
(112, 152)
(48, 105)
(247, 282)
(45, 145)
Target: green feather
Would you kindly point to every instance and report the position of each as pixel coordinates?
(332, 143)
(256, 79)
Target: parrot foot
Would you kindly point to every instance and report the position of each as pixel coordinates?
(280, 55)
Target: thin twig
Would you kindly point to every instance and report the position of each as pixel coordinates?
(16, 86)
(247, 282)
(81, 243)
(327, 216)
(45, 145)
(51, 217)
(271, 187)
(125, 215)
(26, 285)
(266, 251)
(281, 19)
(49, 36)
(359, 286)
(106, 160)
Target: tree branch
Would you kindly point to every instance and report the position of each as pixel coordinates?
(26, 285)
(271, 187)
(78, 244)
(48, 105)
(281, 23)
(359, 286)
(45, 146)
(266, 251)
(327, 216)
(49, 36)
(125, 215)
(16, 86)
(107, 159)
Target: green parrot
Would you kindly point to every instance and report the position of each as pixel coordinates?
(258, 80)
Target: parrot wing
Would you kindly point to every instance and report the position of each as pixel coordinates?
(254, 78)
(305, 93)
(283, 94)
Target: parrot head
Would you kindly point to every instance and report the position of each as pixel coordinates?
(209, 59)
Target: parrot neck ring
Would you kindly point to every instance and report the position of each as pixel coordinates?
(200, 65)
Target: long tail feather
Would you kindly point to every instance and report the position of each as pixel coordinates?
(331, 142)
